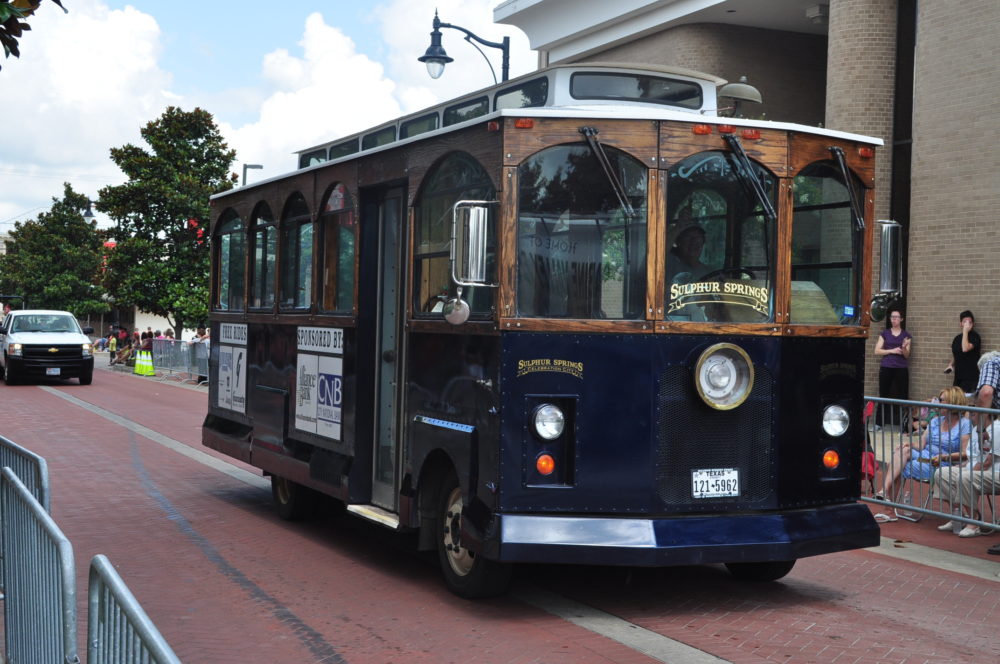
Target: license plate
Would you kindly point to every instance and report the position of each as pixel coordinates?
(715, 483)
(52, 371)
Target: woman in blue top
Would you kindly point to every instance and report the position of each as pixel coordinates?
(946, 439)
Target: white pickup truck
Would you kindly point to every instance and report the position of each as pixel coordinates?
(40, 343)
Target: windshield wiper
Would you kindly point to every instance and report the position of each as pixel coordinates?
(747, 175)
(859, 219)
(590, 134)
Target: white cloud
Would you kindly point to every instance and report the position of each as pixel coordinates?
(88, 80)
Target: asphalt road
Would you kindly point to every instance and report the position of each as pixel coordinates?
(194, 536)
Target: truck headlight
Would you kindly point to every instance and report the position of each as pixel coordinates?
(88, 350)
(14, 350)
(724, 376)
(835, 420)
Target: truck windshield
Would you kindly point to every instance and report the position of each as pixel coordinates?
(720, 265)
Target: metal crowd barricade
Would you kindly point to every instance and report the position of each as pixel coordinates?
(33, 472)
(38, 572)
(956, 491)
(181, 360)
(118, 630)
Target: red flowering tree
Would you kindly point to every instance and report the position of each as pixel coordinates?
(161, 261)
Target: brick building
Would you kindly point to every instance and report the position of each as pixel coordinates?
(920, 74)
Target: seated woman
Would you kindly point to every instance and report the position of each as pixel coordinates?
(945, 439)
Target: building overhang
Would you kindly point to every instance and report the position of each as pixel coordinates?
(569, 29)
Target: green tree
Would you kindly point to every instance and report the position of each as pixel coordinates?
(54, 260)
(160, 264)
(12, 25)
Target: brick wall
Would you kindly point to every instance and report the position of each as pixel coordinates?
(954, 230)
(859, 98)
(788, 68)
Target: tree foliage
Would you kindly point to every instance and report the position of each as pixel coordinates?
(161, 262)
(12, 24)
(54, 260)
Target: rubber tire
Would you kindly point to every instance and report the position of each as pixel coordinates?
(87, 378)
(466, 574)
(294, 502)
(760, 572)
(10, 377)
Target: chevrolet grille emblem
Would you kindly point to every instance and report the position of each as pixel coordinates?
(53, 350)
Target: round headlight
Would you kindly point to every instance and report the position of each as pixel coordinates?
(724, 376)
(835, 420)
(549, 421)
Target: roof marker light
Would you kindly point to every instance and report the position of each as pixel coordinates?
(701, 129)
(866, 152)
(751, 134)
(727, 129)
(492, 125)
(524, 123)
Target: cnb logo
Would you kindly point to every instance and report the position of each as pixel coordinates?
(330, 390)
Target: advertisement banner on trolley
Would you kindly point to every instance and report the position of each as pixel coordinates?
(233, 368)
(319, 381)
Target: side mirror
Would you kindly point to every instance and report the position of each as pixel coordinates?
(470, 232)
(469, 242)
(890, 268)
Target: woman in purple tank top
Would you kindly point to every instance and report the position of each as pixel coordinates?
(893, 346)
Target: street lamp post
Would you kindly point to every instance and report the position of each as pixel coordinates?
(436, 58)
(245, 167)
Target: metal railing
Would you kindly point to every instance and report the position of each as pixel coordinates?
(38, 577)
(118, 630)
(39, 581)
(30, 468)
(955, 481)
(181, 360)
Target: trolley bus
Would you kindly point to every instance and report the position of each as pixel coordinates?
(577, 317)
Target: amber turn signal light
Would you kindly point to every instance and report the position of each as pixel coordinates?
(545, 464)
(831, 459)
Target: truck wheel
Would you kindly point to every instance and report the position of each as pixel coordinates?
(294, 501)
(760, 572)
(87, 378)
(10, 376)
(465, 573)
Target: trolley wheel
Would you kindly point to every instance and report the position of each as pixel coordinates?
(294, 501)
(760, 572)
(466, 574)
(87, 378)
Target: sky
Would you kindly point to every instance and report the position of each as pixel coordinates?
(277, 77)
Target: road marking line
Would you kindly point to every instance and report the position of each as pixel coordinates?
(659, 647)
(175, 445)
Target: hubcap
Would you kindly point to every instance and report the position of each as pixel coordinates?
(459, 558)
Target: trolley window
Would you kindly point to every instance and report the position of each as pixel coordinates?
(581, 252)
(524, 95)
(379, 138)
(312, 158)
(467, 110)
(296, 249)
(826, 248)
(720, 262)
(635, 87)
(343, 149)
(337, 241)
(264, 238)
(457, 177)
(230, 257)
(419, 125)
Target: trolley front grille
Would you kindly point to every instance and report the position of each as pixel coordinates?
(693, 436)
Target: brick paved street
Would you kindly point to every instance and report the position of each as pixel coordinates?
(225, 580)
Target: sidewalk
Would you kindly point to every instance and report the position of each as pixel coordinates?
(181, 379)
